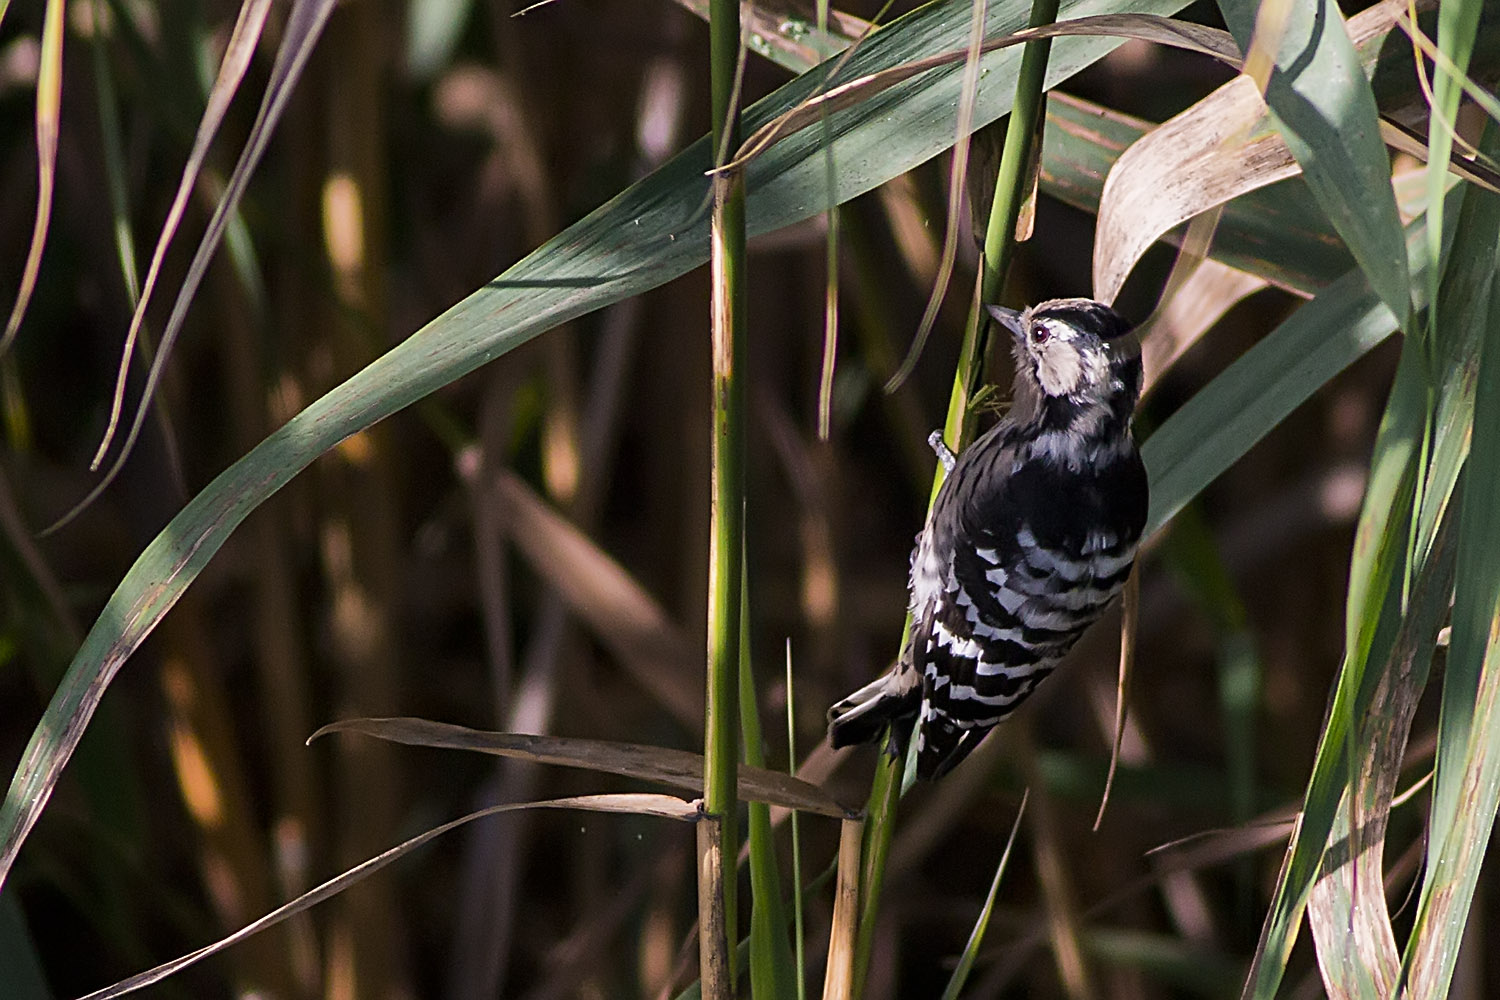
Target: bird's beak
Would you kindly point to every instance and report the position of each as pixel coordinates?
(1008, 318)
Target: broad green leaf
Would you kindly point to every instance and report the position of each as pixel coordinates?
(649, 234)
(1325, 110)
(1255, 393)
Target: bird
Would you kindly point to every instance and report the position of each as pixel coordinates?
(1032, 533)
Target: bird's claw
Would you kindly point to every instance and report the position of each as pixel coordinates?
(935, 440)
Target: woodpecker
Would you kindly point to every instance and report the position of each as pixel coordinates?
(1033, 532)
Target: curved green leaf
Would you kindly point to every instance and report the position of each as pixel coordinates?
(1323, 105)
(1255, 393)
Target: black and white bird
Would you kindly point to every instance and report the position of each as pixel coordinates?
(1033, 533)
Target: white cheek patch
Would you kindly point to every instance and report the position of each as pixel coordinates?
(1064, 370)
(1058, 368)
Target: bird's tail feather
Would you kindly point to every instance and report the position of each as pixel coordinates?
(863, 715)
(943, 746)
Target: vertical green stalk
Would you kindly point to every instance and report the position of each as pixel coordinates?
(772, 966)
(799, 938)
(1010, 191)
(721, 736)
(1017, 162)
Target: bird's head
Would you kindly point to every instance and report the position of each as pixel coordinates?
(1072, 355)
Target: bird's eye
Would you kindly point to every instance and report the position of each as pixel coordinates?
(1040, 334)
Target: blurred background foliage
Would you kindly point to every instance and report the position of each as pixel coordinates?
(414, 571)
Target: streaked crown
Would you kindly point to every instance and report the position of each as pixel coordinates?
(1076, 349)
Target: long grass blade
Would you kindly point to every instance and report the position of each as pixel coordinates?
(48, 114)
(1469, 736)
(677, 768)
(976, 936)
(799, 936)
(666, 806)
(1458, 24)
(772, 965)
(1466, 783)
(1346, 910)
(237, 54)
(1377, 589)
(300, 35)
(1220, 423)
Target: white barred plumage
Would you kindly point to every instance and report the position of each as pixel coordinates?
(1032, 534)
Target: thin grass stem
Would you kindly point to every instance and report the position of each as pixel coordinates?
(721, 723)
(1019, 153)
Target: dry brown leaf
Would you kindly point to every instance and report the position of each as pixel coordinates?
(1199, 303)
(1216, 150)
(677, 768)
(1222, 147)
